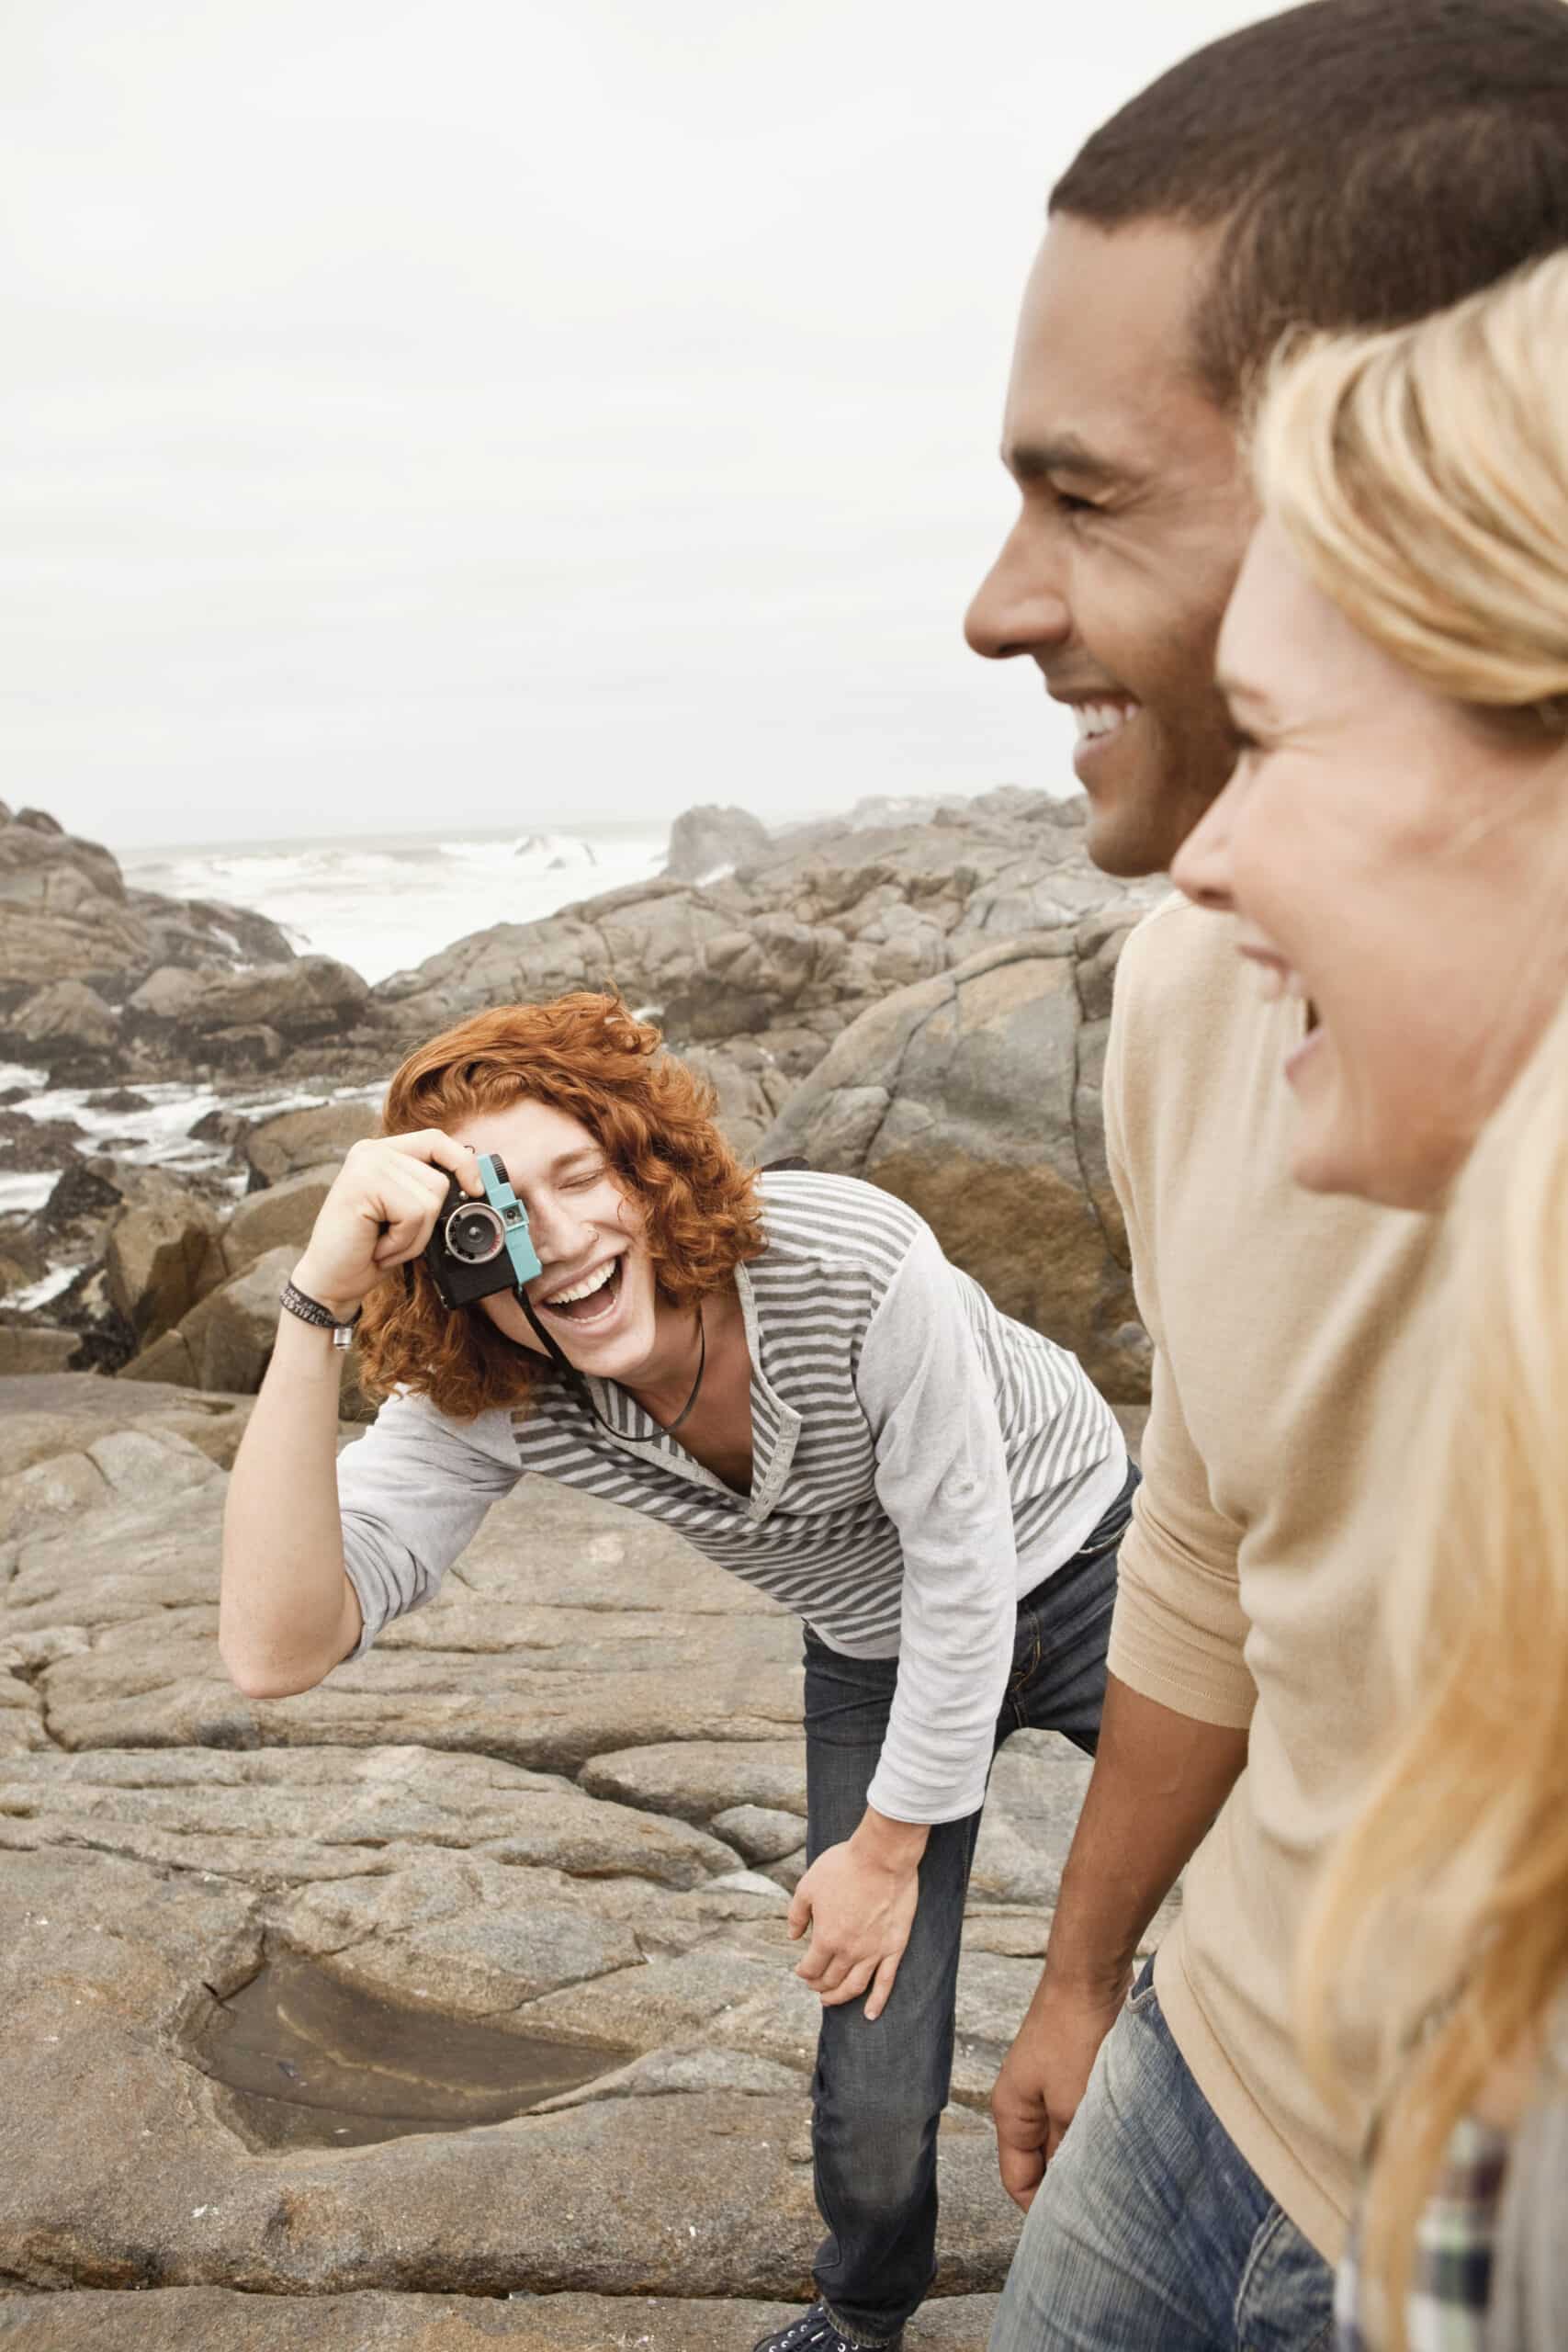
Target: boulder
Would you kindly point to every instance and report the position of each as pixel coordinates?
(975, 1097)
(118, 1097)
(297, 1140)
(42, 865)
(202, 934)
(760, 1832)
(84, 1194)
(22, 1262)
(35, 1348)
(752, 1082)
(280, 1217)
(69, 919)
(169, 993)
(66, 1022)
(709, 840)
(160, 1255)
(241, 1051)
(311, 997)
(221, 1126)
(226, 1340)
(642, 940)
(186, 1016)
(97, 941)
(30, 1147)
(773, 969)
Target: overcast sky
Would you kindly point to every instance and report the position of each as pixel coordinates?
(476, 411)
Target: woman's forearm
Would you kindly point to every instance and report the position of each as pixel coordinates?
(288, 1613)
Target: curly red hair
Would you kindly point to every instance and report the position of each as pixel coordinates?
(587, 1056)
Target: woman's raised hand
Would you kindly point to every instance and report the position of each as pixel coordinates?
(381, 1212)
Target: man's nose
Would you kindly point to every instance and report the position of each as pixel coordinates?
(1202, 864)
(1019, 607)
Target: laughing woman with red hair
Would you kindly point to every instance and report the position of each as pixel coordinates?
(785, 1369)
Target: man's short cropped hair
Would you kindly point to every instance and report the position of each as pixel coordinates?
(1364, 162)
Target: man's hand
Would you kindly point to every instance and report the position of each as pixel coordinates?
(859, 1898)
(1159, 1778)
(1042, 2079)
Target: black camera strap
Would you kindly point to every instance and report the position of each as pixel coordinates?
(564, 1365)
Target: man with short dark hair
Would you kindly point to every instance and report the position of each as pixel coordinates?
(1349, 163)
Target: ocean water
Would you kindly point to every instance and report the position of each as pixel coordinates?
(383, 903)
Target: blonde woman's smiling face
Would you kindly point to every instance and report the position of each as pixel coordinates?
(1395, 866)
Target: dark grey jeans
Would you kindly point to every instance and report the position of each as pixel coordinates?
(880, 2088)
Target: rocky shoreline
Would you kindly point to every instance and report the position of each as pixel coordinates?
(565, 1806)
(922, 1002)
(568, 1802)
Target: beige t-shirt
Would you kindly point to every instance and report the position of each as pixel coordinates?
(1289, 1331)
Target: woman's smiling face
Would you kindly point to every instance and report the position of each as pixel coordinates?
(594, 1291)
(1395, 864)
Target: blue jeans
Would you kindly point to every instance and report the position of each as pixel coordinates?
(879, 2089)
(1151, 2230)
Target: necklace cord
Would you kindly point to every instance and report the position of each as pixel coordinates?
(563, 1364)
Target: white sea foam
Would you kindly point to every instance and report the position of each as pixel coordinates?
(48, 1286)
(382, 906)
(158, 1136)
(22, 1194)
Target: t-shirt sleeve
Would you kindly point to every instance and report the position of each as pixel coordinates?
(413, 1493)
(942, 1477)
(1179, 1631)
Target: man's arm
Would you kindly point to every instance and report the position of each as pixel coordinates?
(1159, 1779)
(1179, 1696)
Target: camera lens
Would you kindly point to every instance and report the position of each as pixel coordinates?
(474, 1234)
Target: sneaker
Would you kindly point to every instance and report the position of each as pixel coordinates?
(814, 2330)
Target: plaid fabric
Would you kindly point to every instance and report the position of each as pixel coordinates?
(1452, 2283)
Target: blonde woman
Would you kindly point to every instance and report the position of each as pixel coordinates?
(1395, 843)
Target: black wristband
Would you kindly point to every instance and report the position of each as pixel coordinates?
(310, 1310)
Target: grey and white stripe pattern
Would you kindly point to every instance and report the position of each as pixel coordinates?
(918, 1462)
(814, 1533)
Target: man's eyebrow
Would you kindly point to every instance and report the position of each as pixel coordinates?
(1062, 454)
(572, 1158)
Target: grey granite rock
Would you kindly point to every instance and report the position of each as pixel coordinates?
(211, 2319)
(510, 1815)
(973, 1096)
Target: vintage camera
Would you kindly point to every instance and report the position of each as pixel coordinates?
(480, 1247)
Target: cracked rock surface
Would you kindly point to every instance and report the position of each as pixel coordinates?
(548, 1806)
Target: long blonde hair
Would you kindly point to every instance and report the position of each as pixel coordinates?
(1422, 476)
